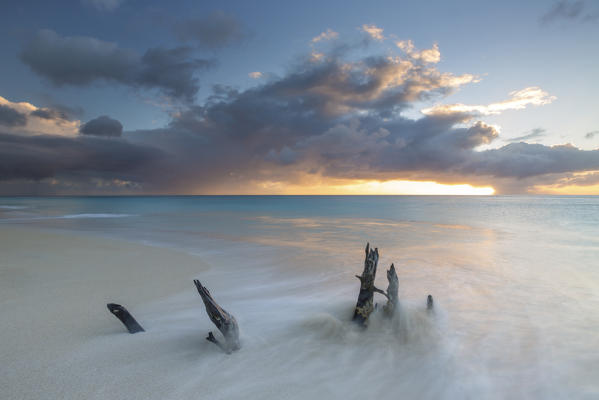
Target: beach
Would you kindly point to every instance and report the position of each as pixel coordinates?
(515, 298)
(54, 287)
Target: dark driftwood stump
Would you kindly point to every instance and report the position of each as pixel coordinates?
(127, 319)
(365, 304)
(224, 321)
(392, 289)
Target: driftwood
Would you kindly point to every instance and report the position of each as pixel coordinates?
(365, 304)
(224, 321)
(392, 289)
(127, 319)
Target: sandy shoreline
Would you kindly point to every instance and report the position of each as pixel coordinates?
(53, 291)
(59, 341)
(514, 302)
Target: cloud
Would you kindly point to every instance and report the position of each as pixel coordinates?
(520, 99)
(34, 158)
(50, 114)
(533, 134)
(373, 31)
(67, 111)
(36, 120)
(577, 179)
(592, 134)
(568, 11)
(523, 160)
(329, 34)
(255, 75)
(81, 60)
(339, 118)
(432, 55)
(103, 5)
(172, 70)
(213, 31)
(102, 126)
(580, 179)
(11, 117)
(373, 84)
(316, 56)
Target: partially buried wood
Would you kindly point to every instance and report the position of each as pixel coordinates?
(365, 306)
(127, 319)
(392, 289)
(224, 321)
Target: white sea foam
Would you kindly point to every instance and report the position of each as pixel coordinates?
(95, 215)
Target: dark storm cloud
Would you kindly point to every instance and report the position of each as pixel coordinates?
(102, 126)
(522, 160)
(212, 31)
(338, 119)
(532, 134)
(80, 60)
(172, 70)
(44, 156)
(570, 11)
(314, 94)
(11, 118)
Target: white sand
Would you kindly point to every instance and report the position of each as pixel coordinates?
(59, 341)
(53, 293)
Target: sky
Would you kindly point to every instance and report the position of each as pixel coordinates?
(315, 97)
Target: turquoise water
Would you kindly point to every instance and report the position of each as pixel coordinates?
(571, 217)
(515, 280)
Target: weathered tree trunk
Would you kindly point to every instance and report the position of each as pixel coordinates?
(127, 319)
(392, 289)
(224, 321)
(365, 304)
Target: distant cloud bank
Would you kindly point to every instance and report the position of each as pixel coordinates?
(339, 116)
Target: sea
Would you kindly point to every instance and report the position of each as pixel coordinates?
(515, 282)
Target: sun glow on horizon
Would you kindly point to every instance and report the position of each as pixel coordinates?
(416, 188)
(373, 187)
(585, 183)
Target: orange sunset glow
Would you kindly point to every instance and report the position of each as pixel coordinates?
(373, 187)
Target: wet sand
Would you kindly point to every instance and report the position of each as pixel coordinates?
(53, 293)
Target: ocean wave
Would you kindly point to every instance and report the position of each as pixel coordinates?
(75, 216)
(12, 207)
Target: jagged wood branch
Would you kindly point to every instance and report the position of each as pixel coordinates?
(224, 321)
(365, 304)
(392, 289)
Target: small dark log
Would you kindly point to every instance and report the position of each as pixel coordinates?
(429, 302)
(224, 321)
(392, 289)
(364, 305)
(127, 319)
